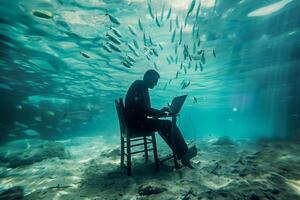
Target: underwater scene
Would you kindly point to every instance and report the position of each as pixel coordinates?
(150, 99)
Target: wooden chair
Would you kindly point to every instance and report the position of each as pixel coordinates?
(128, 137)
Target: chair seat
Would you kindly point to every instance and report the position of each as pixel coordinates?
(140, 134)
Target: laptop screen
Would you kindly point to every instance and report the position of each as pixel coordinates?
(177, 103)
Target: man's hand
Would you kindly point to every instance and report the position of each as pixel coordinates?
(165, 109)
(167, 113)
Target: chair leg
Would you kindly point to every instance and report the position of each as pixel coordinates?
(146, 149)
(155, 152)
(175, 161)
(128, 157)
(173, 141)
(122, 152)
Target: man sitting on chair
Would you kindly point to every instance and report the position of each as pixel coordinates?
(138, 109)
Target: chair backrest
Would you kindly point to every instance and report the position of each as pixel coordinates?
(124, 130)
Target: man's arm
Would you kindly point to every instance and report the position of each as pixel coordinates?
(155, 112)
(142, 102)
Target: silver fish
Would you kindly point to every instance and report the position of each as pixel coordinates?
(193, 30)
(131, 47)
(169, 13)
(160, 46)
(199, 42)
(171, 58)
(84, 54)
(168, 60)
(141, 25)
(151, 41)
(43, 14)
(162, 12)
(113, 19)
(176, 60)
(144, 38)
(131, 29)
(131, 58)
(133, 50)
(126, 64)
(180, 36)
(150, 10)
(194, 48)
(38, 118)
(215, 6)
(177, 21)
(19, 107)
(165, 86)
(190, 65)
(170, 29)
(185, 20)
(155, 65)
(198, 9)
(173, 36)
(186, 84)
(148, 57)
(176, 48)
(135, 44)
(114, 47)
(113, 39)
(157, 22)
(201, 67)
(185, 51)
(203, 58)
(191, 7)
(196, 67)
(195, 100)
(183, 83)
(214, 53)
(155, 52)
(129, 61)
(116, 32)
(107, 48)
(198, 32)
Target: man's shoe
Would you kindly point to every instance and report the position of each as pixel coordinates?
(185, 160)
(192, 152)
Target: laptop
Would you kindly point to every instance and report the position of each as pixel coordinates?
(177, 103)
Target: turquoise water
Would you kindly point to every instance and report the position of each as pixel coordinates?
(60, 73)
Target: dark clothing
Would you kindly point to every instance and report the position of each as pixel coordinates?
(137, 104)
(138, 108)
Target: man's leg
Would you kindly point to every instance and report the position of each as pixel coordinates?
(180, 142)
(164, 128)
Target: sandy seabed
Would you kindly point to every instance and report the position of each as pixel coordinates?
(241, 169)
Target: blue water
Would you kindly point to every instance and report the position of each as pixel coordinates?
(53, 62)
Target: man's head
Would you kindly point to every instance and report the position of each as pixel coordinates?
(151, 77)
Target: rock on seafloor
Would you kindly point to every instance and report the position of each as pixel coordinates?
(14, 193)
(149, 189)
(224, 141)
(28, 151)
